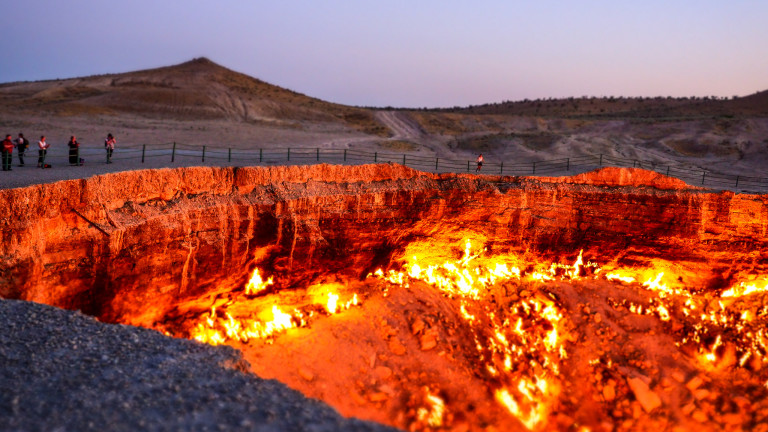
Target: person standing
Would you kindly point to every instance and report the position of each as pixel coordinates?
(479, 163)
(7, 153)
(74, 151)
(109, 145)
(42, 150)
(22, 144)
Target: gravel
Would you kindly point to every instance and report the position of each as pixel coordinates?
(65, 371)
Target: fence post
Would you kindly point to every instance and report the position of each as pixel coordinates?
(203, 153)
(345, 155)
(634, 162)
(318, 154)
(403, 159)
(173, 152)
(229, 155)
(289, 154)
(261, 158)
(737, 181)
(703, 175)
(143, 151)
(467, 166)
(436, 161)
(601, 159)
(501, 168)
(534, 167)
(375, 157)
(568, 164)
(667, 170)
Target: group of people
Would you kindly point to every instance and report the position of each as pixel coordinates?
(22, 144)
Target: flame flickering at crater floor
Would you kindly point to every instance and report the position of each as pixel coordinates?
(427, 301)
(522, 324)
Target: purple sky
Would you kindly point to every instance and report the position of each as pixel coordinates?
(417, 53)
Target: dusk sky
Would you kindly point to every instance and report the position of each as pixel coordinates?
(418, 53)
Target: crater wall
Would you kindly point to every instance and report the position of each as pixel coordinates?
(128, 246)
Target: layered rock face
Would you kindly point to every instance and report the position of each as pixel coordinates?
(129, 246)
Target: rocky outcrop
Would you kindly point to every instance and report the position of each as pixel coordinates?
(129, 246)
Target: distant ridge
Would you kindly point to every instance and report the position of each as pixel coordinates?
(198, 89)
(624, 107)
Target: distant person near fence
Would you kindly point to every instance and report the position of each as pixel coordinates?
(21, 146)
(479, 163)
(109, 145)
(42, 150)
(74, 151)
(7, 153)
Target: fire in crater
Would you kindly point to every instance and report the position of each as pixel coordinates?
(431, 302)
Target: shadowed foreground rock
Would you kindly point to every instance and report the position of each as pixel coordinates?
(65, 371)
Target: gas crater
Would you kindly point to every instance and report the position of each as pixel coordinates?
(613, 300)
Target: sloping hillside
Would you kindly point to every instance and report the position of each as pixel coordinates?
(195, 90)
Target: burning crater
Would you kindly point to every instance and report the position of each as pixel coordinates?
(613, 300)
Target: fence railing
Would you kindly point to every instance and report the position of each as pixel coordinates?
(171, 154)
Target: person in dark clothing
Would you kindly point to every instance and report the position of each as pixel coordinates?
(74, 151)
(109, 145)
(22, 144)
(7, 153)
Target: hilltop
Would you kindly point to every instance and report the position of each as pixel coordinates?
(197, 90)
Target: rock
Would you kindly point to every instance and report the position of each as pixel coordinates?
(647, 398)
(731, 419)
(378, 397)
(699, 416)
(306, 374)
(428, 340)
(396, 346)
(417, 326)
(609, 391)
(694, 383)
(701, 394)
(382, 372)
(688, 409)
(678, 375)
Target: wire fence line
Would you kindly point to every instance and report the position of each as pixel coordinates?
(176, 154)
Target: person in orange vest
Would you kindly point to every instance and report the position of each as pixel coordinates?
(7, 153)
(479, 162)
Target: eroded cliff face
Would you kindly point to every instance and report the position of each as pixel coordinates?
(128, 246)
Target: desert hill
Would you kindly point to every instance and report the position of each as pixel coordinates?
(196, 90)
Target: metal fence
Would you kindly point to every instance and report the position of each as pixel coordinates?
(175, 154)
